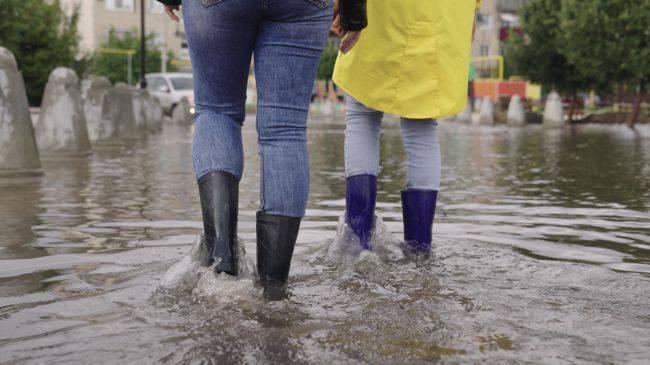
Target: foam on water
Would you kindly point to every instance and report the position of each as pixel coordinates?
(346, 250)
(193, 274)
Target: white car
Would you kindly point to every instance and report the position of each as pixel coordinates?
(170, 88)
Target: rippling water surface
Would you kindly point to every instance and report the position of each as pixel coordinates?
(542, 255)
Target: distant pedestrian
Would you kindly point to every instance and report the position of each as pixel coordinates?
(412, 61)
(287, 38)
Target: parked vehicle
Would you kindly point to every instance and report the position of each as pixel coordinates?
(170, 88)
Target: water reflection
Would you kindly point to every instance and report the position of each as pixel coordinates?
(542, 249)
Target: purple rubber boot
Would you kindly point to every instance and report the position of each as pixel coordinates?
(418, 210)
(360, 199)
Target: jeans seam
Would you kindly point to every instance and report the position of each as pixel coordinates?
(259, 144)
(208, 3)
(322, 4)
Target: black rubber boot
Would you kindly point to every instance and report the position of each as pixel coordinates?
(276, 238)
(219, 192)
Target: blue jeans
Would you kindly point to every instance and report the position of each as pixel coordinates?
(420, 142)
(287, 38)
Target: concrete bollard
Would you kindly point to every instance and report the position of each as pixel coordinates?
(516, 113)
(61, 129)
(140, 105)
(155, 115)
(487, 111)
(466, 116)
(99, 111)
(18, 152)
(181, 113)
(123, 111)
(553, 111)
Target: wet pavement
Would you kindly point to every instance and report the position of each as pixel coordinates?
(541, 255)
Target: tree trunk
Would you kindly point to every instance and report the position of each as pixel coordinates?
(634, 117)
(619, 98)
(572, 109)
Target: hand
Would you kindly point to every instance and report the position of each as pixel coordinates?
(349, 40)
(336, 26)
(169, 9)
(336, 20)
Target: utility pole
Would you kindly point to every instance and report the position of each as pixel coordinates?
(143, 48)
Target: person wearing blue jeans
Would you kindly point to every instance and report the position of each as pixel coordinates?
(286, 38)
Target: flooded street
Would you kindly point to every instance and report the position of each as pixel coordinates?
(541, 255)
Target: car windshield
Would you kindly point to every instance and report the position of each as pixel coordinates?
(182, 83)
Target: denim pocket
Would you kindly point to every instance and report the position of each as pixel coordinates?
(321, 3)
(210, 2)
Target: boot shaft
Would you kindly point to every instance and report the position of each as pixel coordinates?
(219, 194)
(276, 239)
(418, 212)
(360, 202)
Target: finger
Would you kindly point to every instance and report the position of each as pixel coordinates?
(336, 25)
(349, 41)
(170, 12)
(344, 44)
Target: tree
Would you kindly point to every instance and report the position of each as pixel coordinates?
(327, 62)
(609, 40)
(41, 37)
(538, 55)
(115, 67)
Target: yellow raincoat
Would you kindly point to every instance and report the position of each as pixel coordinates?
(413, 59)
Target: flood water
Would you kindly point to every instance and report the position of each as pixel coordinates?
(541, 255)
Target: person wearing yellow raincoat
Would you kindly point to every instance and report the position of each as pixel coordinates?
(412, 61)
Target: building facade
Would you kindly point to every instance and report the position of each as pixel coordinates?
(98, 17)
(496, 20)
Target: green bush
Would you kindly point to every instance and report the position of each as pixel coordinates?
(115, 66)
(41, 37)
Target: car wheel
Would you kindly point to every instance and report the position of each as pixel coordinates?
(171, 110)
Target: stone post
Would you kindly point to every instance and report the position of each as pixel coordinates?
(99, 112)
(516, 114)
(181, 113)
(61, 129)
(18, 151)
(140, 105)
(155, 114)
(487, 111)
(553, 111)
(123, 111)
(466, 116)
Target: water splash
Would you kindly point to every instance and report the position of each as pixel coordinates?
(346, 249)
(193, 274)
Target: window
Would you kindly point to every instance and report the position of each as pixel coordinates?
(182, 83)
(155, 6)
(483, 21)
(485, 50)
(157, 84)
(120, 5)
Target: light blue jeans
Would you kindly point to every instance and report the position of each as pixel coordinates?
(287, 38)
(420, 142)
